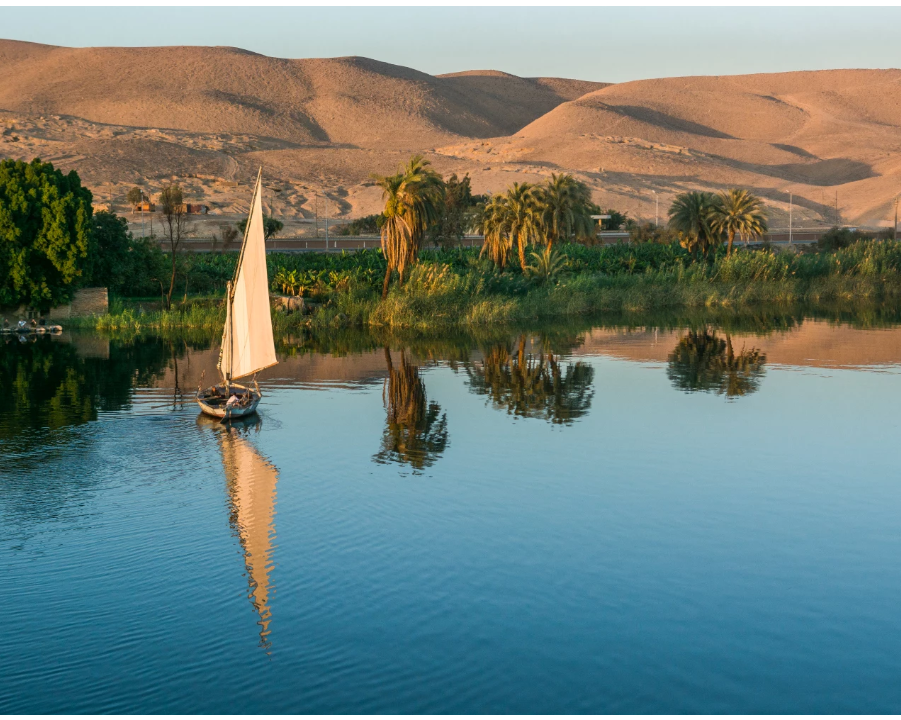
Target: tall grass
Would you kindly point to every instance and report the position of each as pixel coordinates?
(454, 288)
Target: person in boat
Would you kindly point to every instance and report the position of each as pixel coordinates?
(34, 324)
(43, 322)
(22, 325)
(5, 324)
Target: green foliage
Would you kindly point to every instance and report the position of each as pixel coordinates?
(837, 238)
(564, 207)
(271, 227)
(109, 261)
(459, 204)
(414, 198)
(616, 221)
(738, 212)
(691, 214)
(368, 225)
(651, 233)
(45, 234)
(135, 196)
(547, 266)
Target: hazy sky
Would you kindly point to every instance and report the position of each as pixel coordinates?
(612, 44)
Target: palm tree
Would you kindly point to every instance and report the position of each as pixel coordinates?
(691, 215)
(738, 212)
(491, 223)
(413, 199)
(564, 206)
(523, 217)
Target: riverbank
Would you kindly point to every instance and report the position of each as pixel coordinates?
(468, 293)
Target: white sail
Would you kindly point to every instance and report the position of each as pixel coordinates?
(247, 344)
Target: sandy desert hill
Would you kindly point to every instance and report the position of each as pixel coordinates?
(208, 117)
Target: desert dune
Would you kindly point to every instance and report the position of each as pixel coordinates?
(207, 117)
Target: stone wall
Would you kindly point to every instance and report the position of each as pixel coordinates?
(87, 301)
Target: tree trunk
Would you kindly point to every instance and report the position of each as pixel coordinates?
(387, 280)
(731, 239)
(522, 252)
(171, 283)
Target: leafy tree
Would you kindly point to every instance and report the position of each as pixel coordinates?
(413, 199)
(616, 220)
(691, 215)
(738, 212)
(271, 227)
(110, 256)
(453, 220)
(135, 196)
(837, 238)
(176, 227)
(367, 225)
(564, 205)
(523, 218)
(491, 221)
(45, 234)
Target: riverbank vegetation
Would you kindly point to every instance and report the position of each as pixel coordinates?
(461, 289)
(540, 260)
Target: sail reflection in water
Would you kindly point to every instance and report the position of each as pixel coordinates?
(533, 385)
(703, 361)
(251, 483)
(415, 429)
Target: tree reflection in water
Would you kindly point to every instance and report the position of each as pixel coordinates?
(702, 361)
(415, 429)
(533, 385)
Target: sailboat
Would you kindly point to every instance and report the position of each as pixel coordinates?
(247, 344)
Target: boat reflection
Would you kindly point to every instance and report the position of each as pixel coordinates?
(703, 361)
(415, 429)
(533, 384)
(251, 482)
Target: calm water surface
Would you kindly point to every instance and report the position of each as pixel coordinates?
(662, 519)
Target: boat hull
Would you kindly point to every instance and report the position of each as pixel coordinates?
(213, 401)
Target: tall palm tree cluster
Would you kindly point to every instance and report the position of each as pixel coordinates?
(559, 210)
(704, 219)
(413, 199)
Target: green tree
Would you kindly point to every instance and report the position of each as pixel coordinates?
(523, 218)
(691, 215)
(176, 227)
(45, 234)
(271, 227)
(413, 199)
(491, 221)
(564, 205)
(135, 196)
(738, 212)
(454, 218)
(110, 256)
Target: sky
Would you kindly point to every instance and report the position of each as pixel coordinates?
(603, 44)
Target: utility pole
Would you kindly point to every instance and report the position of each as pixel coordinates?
(790, 206)
(656, 209)
(836, 208)
(326, 222)
(143, 235)
(895, 229)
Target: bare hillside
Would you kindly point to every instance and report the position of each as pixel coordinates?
(208, 117)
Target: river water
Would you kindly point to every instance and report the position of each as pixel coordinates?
(680, 517)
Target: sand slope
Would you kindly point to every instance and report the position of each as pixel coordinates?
(209, 117)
